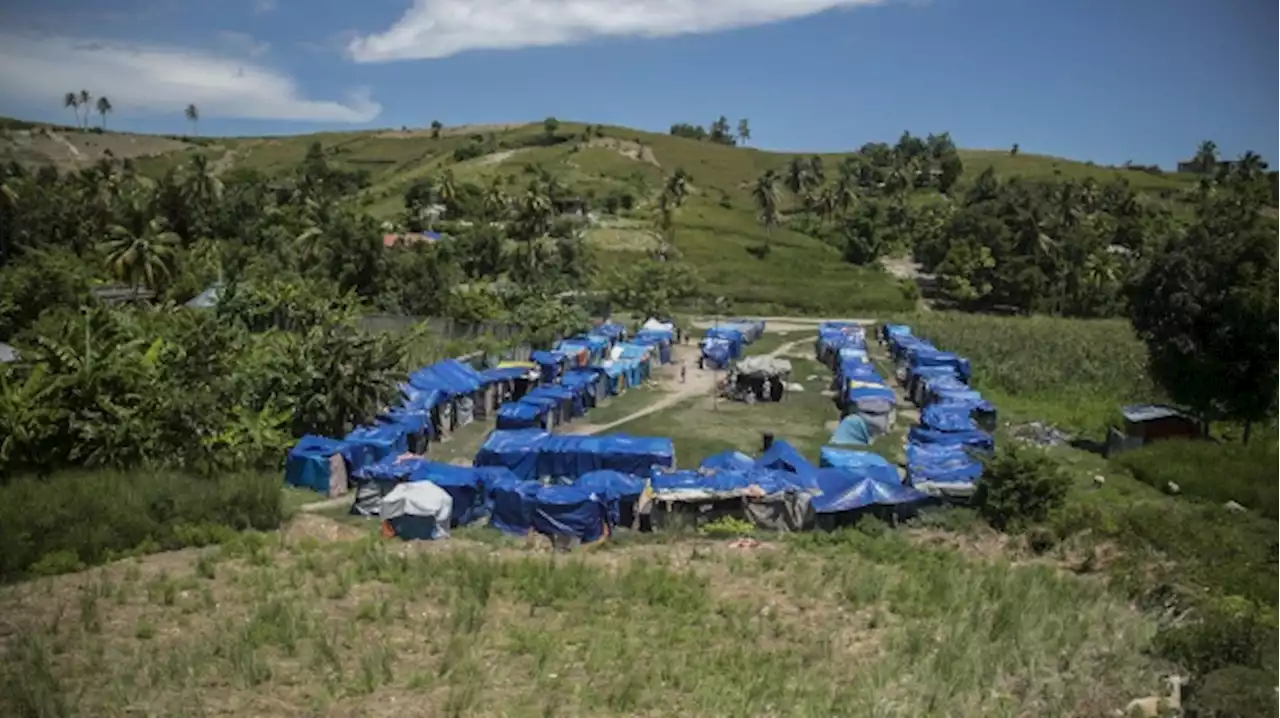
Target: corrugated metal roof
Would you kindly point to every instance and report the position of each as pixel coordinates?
(1138, 413)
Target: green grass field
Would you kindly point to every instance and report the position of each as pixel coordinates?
(333, 623)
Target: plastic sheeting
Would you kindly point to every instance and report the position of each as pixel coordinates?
(310, 464)
(449, 376)
(947, 417)
(368, 444)
(782, 456)
(511, 502)
(731, 460)
(573, 456)
(571, 511)
(462, 483)
(852, 430)
(975, 438)
(860, 493)
(515, 450)
(860, 464)
(417, 511)
(521, 415)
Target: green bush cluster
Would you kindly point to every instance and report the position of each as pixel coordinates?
(1020, 486)
(76, 519)
(1217, 472)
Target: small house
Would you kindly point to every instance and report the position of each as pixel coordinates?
(1144, 423)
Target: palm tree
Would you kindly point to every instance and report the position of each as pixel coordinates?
(193, 116)
(141, 255)
(533, 221)
(447, 190)
(744, 131)
(765, 194)
(797, 176)
(85, 97)
(73, 101)
(495, 201)
(674, 193)
(104, 106)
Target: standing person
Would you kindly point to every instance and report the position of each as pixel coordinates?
(683, 367)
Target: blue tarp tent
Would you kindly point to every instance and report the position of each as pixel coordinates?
(947, 417)
(573, 456)
(852, 430)
(511, 504)
(391, 469)
(367, 444)
(941, 463)
(522, 415)
(516, 450)
(463, 485)
(782, 456)
(923, 357)
(731, 460)
(723, 481)
(612, 330)
(858, 463)
(858, 389)
(861, 492)
(729, 334)
(586, 383)
(973, 438)
(449, 376)
(420, 399)
(308, 464)
(719, 352)
(572, 511)
(504, 373)
(562, 395)
(551, 363)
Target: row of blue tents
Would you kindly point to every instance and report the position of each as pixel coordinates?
(868, 405)
(955, 425)
(726, 341)
(582, 371)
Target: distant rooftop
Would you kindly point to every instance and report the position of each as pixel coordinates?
(1139, 413)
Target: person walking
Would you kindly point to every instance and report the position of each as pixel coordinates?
(683, 367)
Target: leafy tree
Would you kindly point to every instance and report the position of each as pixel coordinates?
(650, 288)
(720, 132)
(688, 131)
(72, 100)
(550, 126)
(1205, 304)
(1206, 159)
(436, 126)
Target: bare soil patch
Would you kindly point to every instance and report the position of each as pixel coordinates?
(627, 148)
(70, 150)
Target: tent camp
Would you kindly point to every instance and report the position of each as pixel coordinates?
(317, 463)
(464, 486)
(757, 378)
(416, 511)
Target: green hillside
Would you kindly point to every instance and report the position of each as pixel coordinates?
(715, 230)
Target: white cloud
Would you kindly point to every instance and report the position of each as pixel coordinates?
(242, 43)
(439, 28)
(264, 6)
(159, 79)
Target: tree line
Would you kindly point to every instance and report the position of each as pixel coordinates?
(83, 101)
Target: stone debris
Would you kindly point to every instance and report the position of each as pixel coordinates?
(1040, 433)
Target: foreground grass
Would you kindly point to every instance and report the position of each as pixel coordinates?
(1074, 373)
(841, 624)
(1219, 472)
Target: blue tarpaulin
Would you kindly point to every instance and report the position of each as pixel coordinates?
(731, 460)
(463, 485)
(862, 492)
(570, 511)
(859, 389)
(516, 450)
(367, 444)
(974, 438)
(522, 415)
(782, 456)
(392, 468)
(449, 376)
(573, 456)
(859, 464)
(941, 463)
(505, 373)
(724, 481)
(947, 417)
(307, 465)
(511, 504)
(551, 363)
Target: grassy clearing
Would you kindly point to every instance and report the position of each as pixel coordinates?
(1217, 472)
(840, 624)
(1074, 373)
(770, 341)
(76, 519)
(703, 426)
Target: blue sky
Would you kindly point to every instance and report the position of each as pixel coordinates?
(1107, 80)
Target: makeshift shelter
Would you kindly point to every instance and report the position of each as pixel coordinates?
(721, 344)
(417, 425)
(947, 417)
(782, 456)
(1145, 423)
(523, 414)
(758, 378)
(573, 456)
(619, 491)
(515, 450)
(368, 444)
(374, 481)
(752, 329)
(464, 486)
(570, 512)
(316, 463)
(416, 511)
(551, 363)
(852, 430)
(769, 499)
(849, 493)
(588, 383)
(858, 463)
(732, 460)
(943, 469)
(975, 438)
(511, 504)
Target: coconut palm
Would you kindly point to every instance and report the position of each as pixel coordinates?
(797, 176)
(104, 106)
(73, 101)
(85, 98)
(141, 256)
(533, 221)
(744, 131)
(1206, 159)
(765, 194)
(193, 116)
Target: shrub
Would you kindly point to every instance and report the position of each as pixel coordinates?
(727, 527)
(1222, 637)
(1021, 485)
(78, 519)
(1232, 692)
